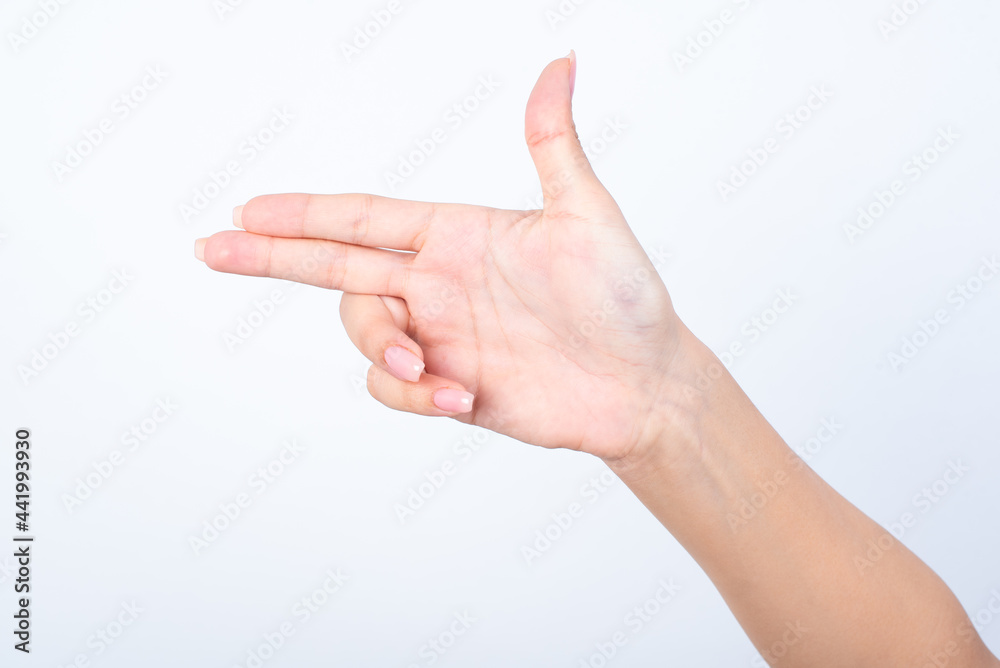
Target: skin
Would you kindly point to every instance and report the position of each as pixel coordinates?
(557, 323)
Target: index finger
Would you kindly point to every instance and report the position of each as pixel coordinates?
(359, 219)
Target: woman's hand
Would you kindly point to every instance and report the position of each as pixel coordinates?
(558, 324)
(549, 326)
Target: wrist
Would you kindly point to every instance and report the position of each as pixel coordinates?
(694, 391)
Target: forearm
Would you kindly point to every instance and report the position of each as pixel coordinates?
(790, 555)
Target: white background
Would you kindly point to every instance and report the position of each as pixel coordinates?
(298, 377)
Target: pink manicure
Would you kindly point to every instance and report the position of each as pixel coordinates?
(238, 216)
(404, 364)
(572, 72)
(453, 401)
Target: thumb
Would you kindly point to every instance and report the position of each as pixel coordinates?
(563, 167)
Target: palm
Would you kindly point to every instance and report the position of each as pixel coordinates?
(546, 318)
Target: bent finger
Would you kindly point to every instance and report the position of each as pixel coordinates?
(379, 333)
(431, 395)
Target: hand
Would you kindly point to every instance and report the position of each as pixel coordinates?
(549, 326)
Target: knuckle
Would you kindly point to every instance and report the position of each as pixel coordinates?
(264, 256)
(539, 139)
(336, 266)
(307, 206)
(370, 334)
(363, 218)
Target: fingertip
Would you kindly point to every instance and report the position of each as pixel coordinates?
(403, 364)
(432, 396)
(238, 216)
(550, 90)
(220, 250)
(451, 400)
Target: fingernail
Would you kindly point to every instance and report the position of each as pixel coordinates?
(404, 364)
(572, 72)
(238, 216)
(453, 401)
(199, 248)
